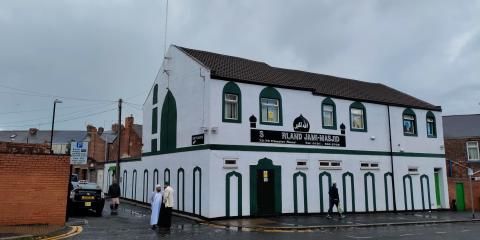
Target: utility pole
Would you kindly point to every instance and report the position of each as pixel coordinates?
(53, 123)
(117, 169)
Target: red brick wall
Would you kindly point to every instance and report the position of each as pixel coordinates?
(452, 193)
(131, 144)
(33, 189)
(24, 148)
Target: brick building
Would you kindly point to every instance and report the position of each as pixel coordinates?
(462, 139)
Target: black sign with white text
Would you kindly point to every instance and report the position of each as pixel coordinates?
(283, 137)
(198, 139)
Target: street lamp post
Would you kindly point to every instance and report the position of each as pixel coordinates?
(53, 122)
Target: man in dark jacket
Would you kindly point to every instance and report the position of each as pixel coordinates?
(114, 194)
(334, 200)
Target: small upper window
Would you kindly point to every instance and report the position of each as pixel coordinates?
(155, 94)
(472, 150)
(232, 103)
(358, 118)
(409, 123)
(270, 106)
(431, 125)
(328, 114)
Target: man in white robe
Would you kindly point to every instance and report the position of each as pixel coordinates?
(156, 202)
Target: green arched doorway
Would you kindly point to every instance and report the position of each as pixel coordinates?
(168, 125)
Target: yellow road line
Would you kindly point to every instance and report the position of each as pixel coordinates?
(74, 231)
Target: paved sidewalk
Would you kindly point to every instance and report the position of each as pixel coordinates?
(352, 220)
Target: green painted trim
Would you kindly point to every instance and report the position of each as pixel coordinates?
(168, 125)
(271, 93)
(358, 105)
(428, 189)
(155, 94)
(329, 101)
(431, 115)
(153, 145)
(405, 192)
(365, 179)
(199, 170)
(320, 181)
(124, 183)
(227, 192)
(352, 182)
(165, 181)
(266, 164)
(154, 120)
(437, 189)
(155, 175)
(222, 147)
(180, 170)
(410, 112)
(134, 184)
(385, 176)
(145, 193)
(232, 88)
(295, 197)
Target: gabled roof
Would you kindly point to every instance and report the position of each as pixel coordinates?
(42, 136)
(461, 126)
(248, 71)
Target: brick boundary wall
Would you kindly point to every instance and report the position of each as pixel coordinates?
(452, 193)
(33, 189)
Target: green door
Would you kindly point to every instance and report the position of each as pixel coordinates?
(437, 189)
(460, 197)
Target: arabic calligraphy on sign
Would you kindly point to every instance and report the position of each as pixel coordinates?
(301, 124)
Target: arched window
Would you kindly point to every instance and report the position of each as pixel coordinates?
(145, 189)
(329, 115)
(134, 184)
(125, 184)
(155, 179)
(154, 120)
(431, 125)
(270, 106)
(155, 94)
(358, 117)
(232, 103)
(409, 122)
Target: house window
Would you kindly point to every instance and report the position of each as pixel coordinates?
(369, 166)
(302, 164)
(328, 114)
(230, 163)
(270, 110)
(270, 107)
(155, 94)
(154, 120)
(358, 118)
(413, 170)
(472, 151)
(431, 125)
(332, 165)
(232, 103)
(231, 106)
(409, 123)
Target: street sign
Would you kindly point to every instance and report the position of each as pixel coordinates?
(78, 152)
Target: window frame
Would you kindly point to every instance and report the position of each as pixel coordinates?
(271, 93)
(155, 94)
(330, 167)
(233, 89)
(155, 120)
(358, 105)
(468, 153)
(328, 101)
(411, 113)
(434, 123)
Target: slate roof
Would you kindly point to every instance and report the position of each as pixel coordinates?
(248, 71)
(42, 136)
(461, 126)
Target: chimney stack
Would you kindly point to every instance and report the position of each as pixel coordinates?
(32, 131)
(129, 121)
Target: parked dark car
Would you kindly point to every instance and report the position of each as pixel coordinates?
(86, 196)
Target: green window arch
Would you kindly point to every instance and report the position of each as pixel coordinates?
(228, 176)
(155, 94)
(320, 180)
(270, 102)
(329, 114)
(431, 125)
(295, 197)
(374, 195)
(409, 122)
(358, 117)
(197, 171)
(231, 103)
(168, 125)
(352, 189)
(181, 187)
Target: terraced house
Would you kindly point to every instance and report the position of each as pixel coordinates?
(237, 137)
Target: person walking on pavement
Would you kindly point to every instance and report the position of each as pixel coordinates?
(156, 202)
(168, 201)
(334, 200)
(114, 194)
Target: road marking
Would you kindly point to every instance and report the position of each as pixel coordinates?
(74, 231)
(408, 234)
(466, 230)
(366, 237)
(441, 232)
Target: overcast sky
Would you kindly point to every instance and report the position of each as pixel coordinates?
(104, 50)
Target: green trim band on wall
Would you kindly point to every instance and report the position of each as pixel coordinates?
(223, 147)
(265, 164)
(385, 176)
(227, 192)
(180, 170)
(232, 88)
(358, 105)
(405, 192)
(424, 176)
(199, 170)
(365, 179)
(165, 181)
(320, 181)
(330, 102)
(295, 197)
(270, 93)
(352, 183)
